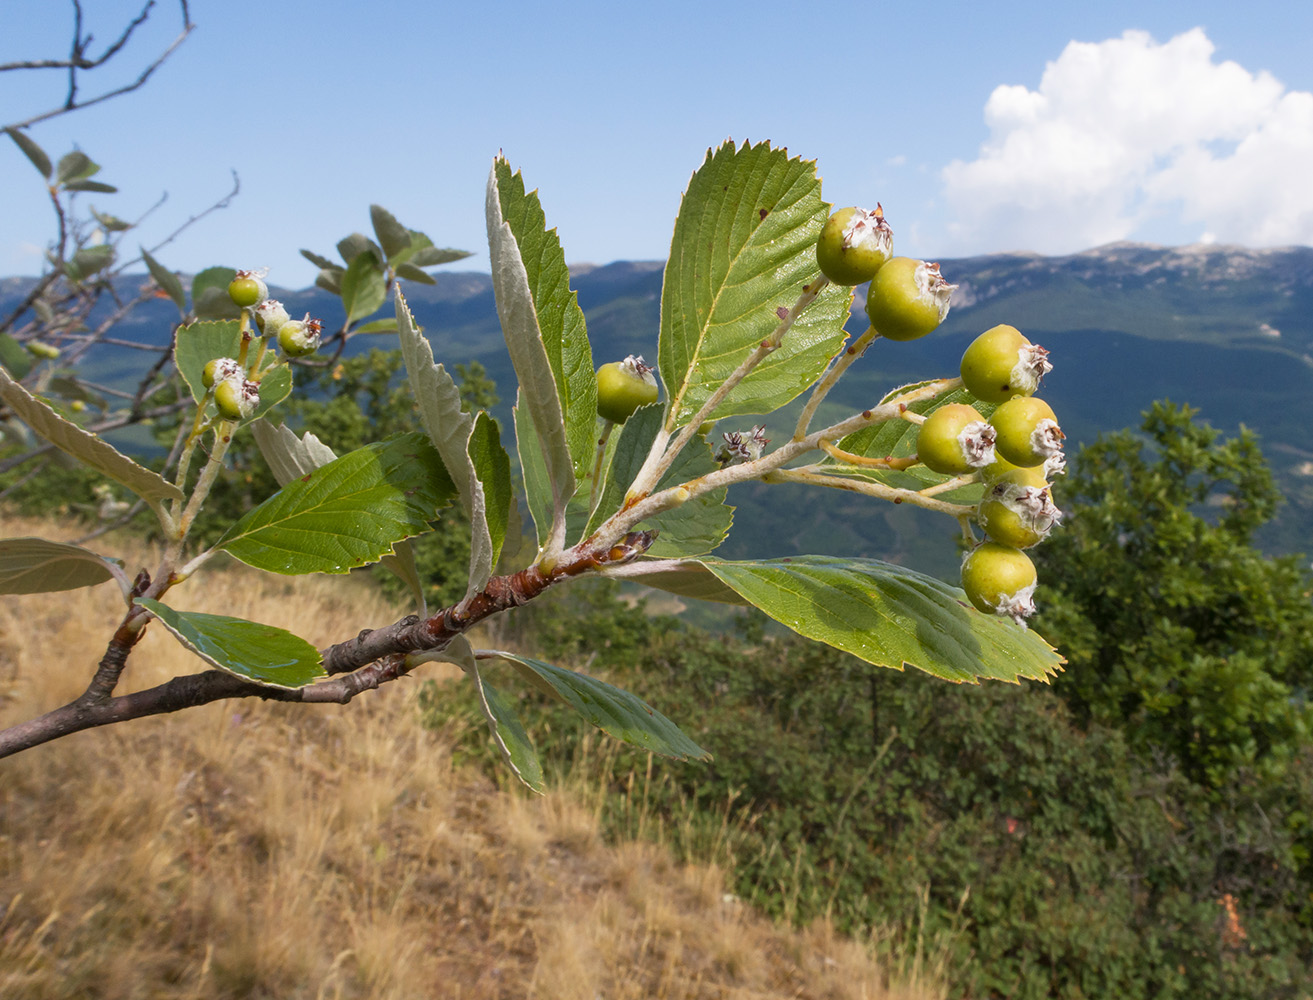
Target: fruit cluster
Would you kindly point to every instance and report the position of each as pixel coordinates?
(234, 383)
(1014, 453)
(1017, 511)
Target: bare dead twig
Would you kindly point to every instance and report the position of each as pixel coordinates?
(78, 62)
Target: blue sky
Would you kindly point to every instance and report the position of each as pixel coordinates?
(980, 127)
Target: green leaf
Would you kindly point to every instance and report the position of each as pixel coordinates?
(412, 273)
(438, 399)
(897, 438)
(200, 343)
(693, 528)
(347, 513)
(540, 395)
(890, 616)
(503, 724)
(14, 357)
(393, 237)
(167, 280)
(36, 566)
(275, 386)
(351, 247)
(508, 733)
(617, 713)
(289, 457)
(537, 485)
(66, 387)
(90, 449)
(685, 577)
(363, 287)
(248, 649)
(384, 325)
(560, 320)
(209, 294)
(493, 467)
(111, 223)
(32, 151)
(330, 279)
(320, 262)
(97, 186)
(74, 166)
(743, 248)
(432, 256)
(88, 260)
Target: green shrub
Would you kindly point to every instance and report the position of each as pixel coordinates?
(1078, 868)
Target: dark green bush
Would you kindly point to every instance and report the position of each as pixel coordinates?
(1078, 868)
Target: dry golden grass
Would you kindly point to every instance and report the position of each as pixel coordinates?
(253, 850)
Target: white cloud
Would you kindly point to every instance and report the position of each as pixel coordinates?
(1129, 135)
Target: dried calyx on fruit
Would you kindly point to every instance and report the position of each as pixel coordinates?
(907, 299)
(742, 446)
(236, 397)
(624, 386)
(854, 245)
(1000, 579)
(1001, 363)
(955, 439)
(1016, 512)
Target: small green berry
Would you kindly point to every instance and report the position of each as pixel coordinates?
(270, 317)
(853, 245)
(42, 350)
(1000, 467)
(1000, 580)
(220, 369)
(955, 439)
(907, 299)
(248, 288)
(1001, 363)
(299, 337)
(624, 386)
(1016, 512)
(1027, 431)
(236, 398)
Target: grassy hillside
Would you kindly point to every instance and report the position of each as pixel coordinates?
(252, 850)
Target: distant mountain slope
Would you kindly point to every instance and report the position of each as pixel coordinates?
(1226, 329)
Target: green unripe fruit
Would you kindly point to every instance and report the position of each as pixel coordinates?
(219, 370)
(1016, 512)
(299, 337)
(1027, 431)
(42, 350)
(236, 398)
(955, 439)
(907, 299)
(624, 386)
(1000, 467)
(248, 288)
(1001, 363)
(1000, 580)
(270, 317)
(853, 245)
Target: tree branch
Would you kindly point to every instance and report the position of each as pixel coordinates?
(372, 658)
(78, 60)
